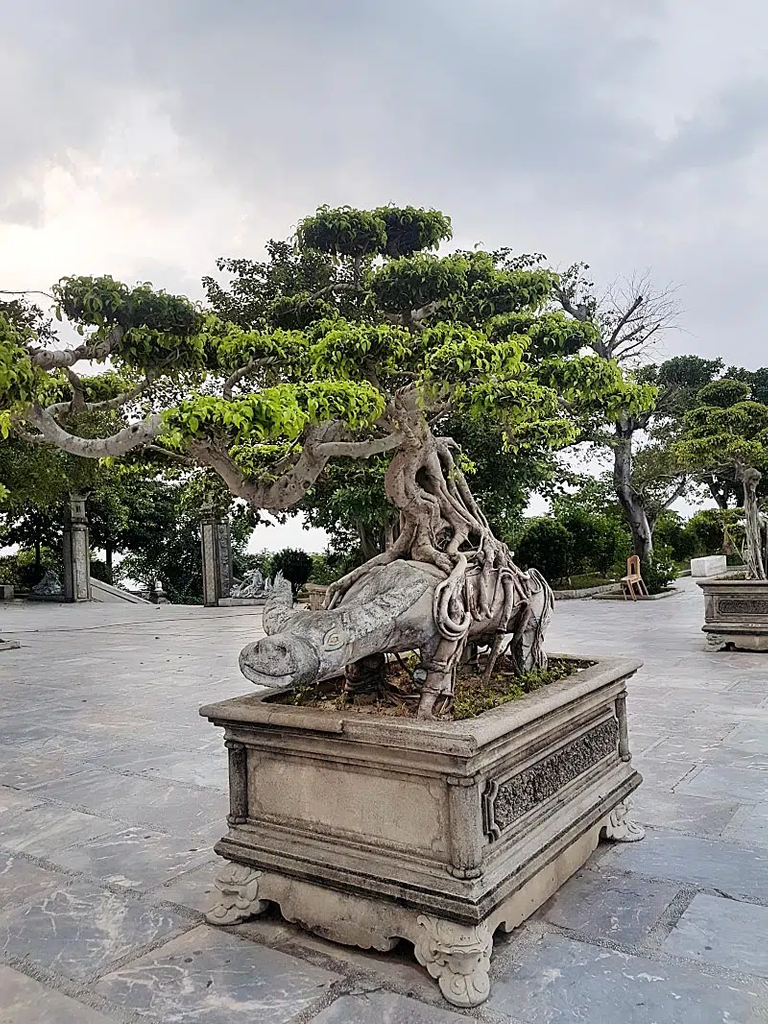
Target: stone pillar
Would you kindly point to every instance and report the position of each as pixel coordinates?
(217, 558)
(77, 553)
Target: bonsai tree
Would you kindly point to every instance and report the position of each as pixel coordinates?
(348, 501)
(471, 333)
(727, 434)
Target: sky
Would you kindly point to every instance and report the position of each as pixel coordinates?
(145, 139)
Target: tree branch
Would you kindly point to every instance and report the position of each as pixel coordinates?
(171, 455)
(678, 492)
(629, 312)
(579, 312)
(28, 291)
(360, 449)
(414, 317)
(321, 444)
(78, 390)
(124, 441)
(52, 359)
(108, 403)
(243, 371)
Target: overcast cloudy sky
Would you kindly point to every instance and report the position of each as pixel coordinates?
(144, 139)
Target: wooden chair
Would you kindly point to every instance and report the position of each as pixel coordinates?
(633, 581)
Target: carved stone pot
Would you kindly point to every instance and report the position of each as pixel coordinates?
(736, 613)
(369, 829)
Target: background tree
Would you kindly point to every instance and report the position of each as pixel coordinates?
(727, 433)
(630, 318)
(164, 538)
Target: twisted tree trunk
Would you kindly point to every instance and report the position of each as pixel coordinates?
(753, 547)
(442, 525)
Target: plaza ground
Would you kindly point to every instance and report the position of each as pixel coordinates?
(113, 791)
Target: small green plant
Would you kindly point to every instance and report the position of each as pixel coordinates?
(660, 572)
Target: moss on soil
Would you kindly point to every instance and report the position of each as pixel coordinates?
(401, 697)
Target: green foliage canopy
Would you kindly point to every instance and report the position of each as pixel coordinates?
(267, 405)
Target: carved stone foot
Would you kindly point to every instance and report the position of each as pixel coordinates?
(620, 828)
(238, 887)
(458, 956)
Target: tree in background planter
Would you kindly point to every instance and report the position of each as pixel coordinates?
(295, 565)
(727, 433)
(713, 531)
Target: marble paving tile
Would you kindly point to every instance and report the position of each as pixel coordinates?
(662, 774)
(14, 800)
(137, 799)
(729, 933)
(46, 828)
(81, 930)
(210, 977)
(694, 815)
(561, 981)
(707, 750)
(126, 756)
(22, 768)
(747, 785)
(209, 770)
(603, 903)
(21, 880)
(749, 827)
(750, 736)
(385, 1008)
(724, 866)
(397, 968)
(133, 857)
(25, 1001)
(193, 889)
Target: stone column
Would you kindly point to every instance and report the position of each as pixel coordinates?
(217, 558)
(77, 553)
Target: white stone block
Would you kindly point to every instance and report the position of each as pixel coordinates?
(711, 565)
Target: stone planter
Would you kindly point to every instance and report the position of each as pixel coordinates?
(369, 829)
(736, 613)
(316, 594)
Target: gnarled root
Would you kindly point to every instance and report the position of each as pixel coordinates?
(484, 595)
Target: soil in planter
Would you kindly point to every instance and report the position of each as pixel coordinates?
(400, 694)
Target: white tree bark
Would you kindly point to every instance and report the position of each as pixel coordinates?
(124, 441)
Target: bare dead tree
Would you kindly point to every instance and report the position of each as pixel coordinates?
(631, 316)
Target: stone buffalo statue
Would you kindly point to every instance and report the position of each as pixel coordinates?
(389, 610)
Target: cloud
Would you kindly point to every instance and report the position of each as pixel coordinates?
(145, 139)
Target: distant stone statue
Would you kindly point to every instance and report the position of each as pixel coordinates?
(253, 585)
(49, 586)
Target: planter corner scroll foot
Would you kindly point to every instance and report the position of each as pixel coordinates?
(237, 899)
(620, 828)
(457, 956)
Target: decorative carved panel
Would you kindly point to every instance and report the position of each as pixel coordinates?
(504, 803)
(742, 608)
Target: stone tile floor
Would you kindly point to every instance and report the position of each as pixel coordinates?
(112, 792)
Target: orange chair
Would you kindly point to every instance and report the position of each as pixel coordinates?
(633, 580)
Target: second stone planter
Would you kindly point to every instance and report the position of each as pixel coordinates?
(736, 613)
